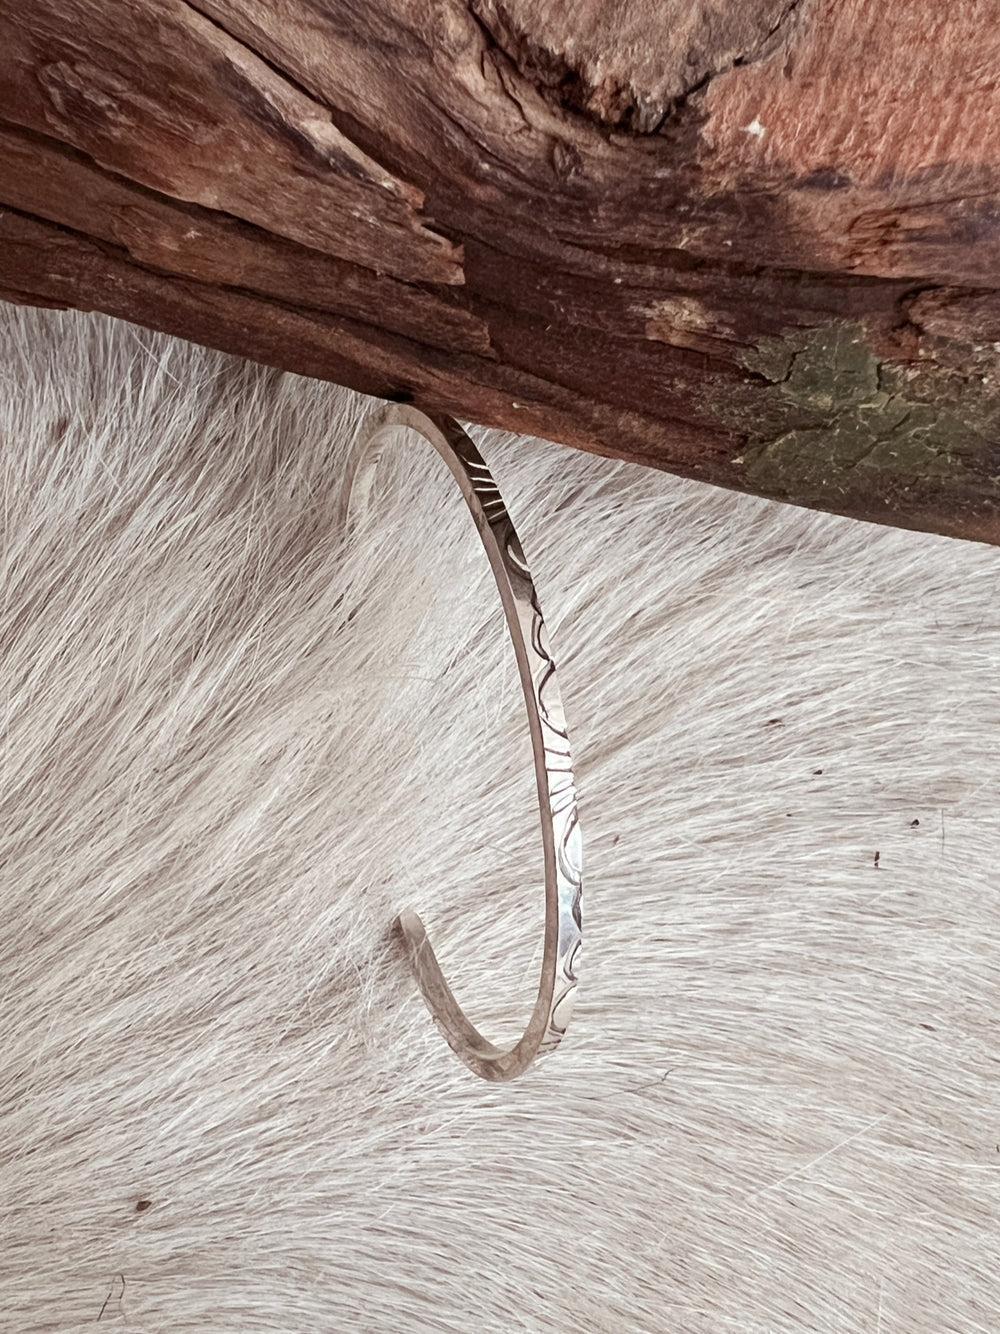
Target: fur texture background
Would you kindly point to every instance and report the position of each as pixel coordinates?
(233, 746)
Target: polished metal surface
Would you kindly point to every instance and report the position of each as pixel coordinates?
(561, 840)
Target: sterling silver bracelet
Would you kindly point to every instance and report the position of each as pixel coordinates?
(561, 840)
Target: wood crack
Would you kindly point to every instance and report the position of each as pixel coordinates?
(413, 195)
(411, 192)
(400, 352)
(163, 94)
(612, 100)
(764, 48)
(103, 205)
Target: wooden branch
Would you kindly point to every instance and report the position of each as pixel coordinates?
(751, 241)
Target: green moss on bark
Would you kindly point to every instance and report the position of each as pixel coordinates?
(834, 422)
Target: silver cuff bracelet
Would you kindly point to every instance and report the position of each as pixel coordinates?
(561, 839)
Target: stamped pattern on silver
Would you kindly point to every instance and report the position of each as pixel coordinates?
(561, 839)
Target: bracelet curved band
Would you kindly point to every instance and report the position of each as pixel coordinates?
(561, 840)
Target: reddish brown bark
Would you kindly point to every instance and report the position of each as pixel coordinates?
(752, 241)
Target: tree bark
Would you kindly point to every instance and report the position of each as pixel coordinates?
(755, 242)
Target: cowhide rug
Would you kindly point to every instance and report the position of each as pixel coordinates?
(233, 745)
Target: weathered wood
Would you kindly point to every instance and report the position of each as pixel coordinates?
(751, 241)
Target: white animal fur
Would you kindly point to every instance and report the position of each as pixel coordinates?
(231, 749)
